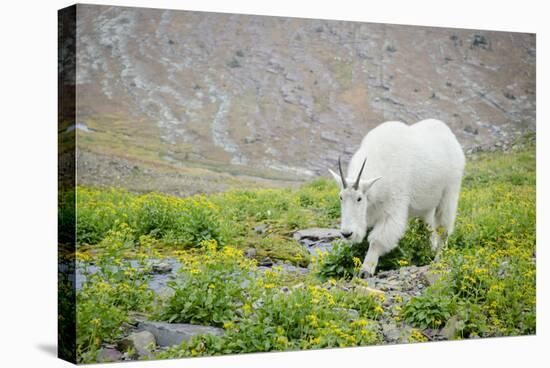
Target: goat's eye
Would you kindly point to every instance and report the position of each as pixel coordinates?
(359, 199)
(340, 197)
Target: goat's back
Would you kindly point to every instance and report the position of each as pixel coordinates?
(417, 162)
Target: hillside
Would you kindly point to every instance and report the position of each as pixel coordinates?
(170, 93)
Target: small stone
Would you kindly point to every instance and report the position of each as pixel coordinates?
(432, 334)
(161, 268)
(391, 332)
(261, 229)
(136, 317)
(106, 355)
(330, 137)
(391, 285)
(352, 313)
(265, 262)
(142, 342)
(371, 281)
(431, 278)
(450, 328)
(365, 290)
(251, 253)
(480, 41)
(285, 289)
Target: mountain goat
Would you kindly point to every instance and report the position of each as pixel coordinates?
(410, 171)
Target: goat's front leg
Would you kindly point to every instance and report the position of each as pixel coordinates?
(382, 239)
(371, 260)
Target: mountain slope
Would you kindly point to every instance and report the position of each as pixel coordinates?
(283, 97)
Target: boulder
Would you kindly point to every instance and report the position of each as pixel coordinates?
(168, 334)
(142, 342)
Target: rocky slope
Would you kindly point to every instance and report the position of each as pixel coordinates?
(283, 97)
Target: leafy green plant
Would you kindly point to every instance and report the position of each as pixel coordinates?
(344, 260)
(414, 248)
(209, 287)
(428, 310)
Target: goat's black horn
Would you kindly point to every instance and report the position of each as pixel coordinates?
(341, 173)
(356, 185)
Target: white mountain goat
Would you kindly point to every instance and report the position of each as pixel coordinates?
(410, 171)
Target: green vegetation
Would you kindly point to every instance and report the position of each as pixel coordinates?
(428, 310)
(488, 272)
(487, 283)
(117, 288)
(345, 261)
(256, 313)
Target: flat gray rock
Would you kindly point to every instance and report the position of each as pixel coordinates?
(168, 334)
(317, 233)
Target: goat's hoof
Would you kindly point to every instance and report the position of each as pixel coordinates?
(364, 274)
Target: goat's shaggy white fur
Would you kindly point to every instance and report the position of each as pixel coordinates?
(420, 169)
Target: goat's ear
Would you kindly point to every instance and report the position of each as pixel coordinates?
(336, 178)
(365, 185)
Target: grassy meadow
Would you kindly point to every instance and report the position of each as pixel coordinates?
(487, 283)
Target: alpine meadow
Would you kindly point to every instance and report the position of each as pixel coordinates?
(240, 269)
(233, 184)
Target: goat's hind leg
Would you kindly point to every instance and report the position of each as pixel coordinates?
(435, 237)
(445, 216)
